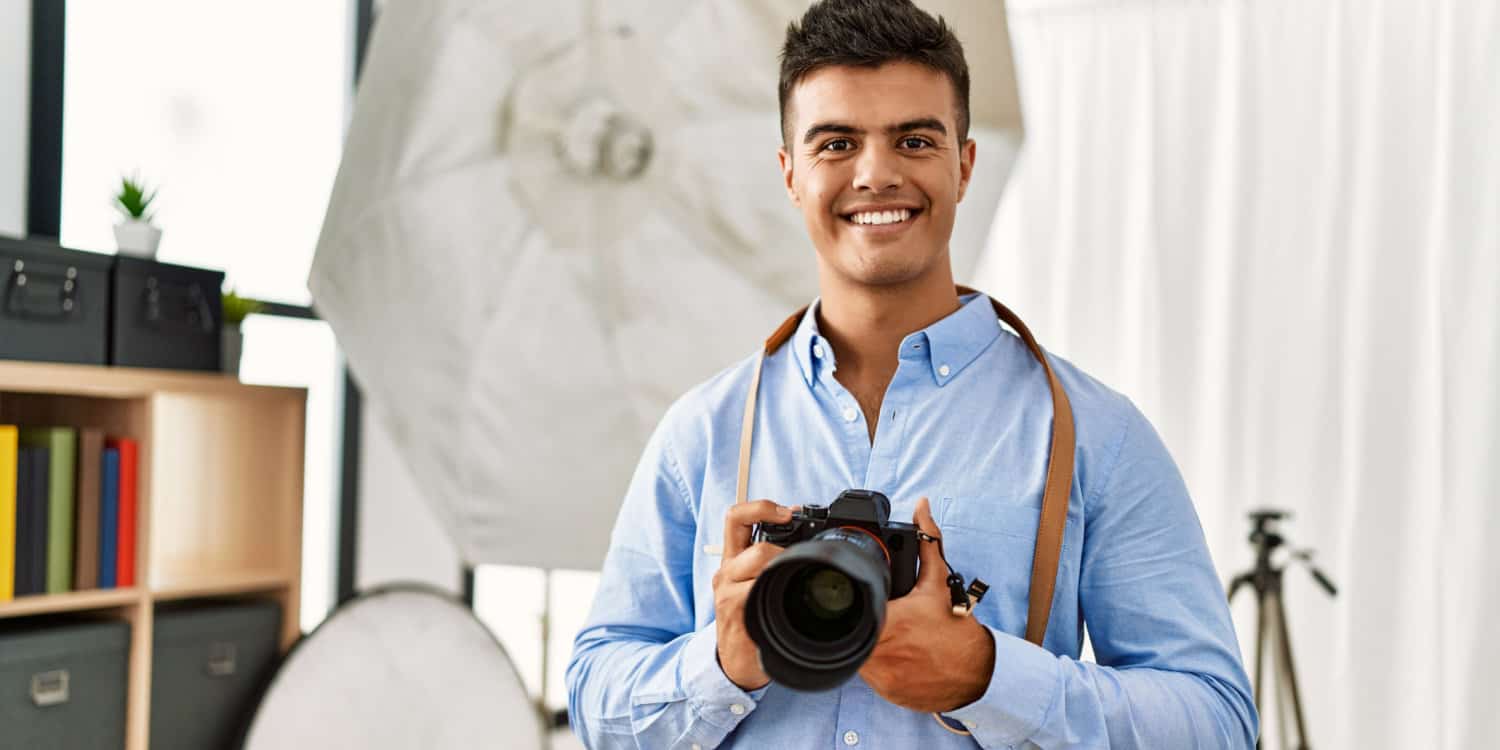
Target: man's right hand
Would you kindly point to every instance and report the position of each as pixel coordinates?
(742, 562)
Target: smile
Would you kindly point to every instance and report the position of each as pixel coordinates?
(883, 219)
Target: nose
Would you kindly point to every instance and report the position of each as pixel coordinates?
(877, 170)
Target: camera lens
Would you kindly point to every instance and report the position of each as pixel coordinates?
(821, 604)
(816, 610)
(829, 593)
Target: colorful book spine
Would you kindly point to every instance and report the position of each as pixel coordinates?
(41, 481)
(125, 552)
(62, 447)
(21, 583)
(109, 516)
(9, 442)
(86, 537)
(31, 520)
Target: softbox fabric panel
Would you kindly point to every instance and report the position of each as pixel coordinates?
(550, 222)
(397, 668)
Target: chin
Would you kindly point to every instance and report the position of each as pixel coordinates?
(884, 274)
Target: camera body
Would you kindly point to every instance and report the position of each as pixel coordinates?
(864, 517)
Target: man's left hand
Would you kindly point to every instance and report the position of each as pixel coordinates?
(927, 658)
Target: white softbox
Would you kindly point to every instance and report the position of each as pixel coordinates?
(552, 219)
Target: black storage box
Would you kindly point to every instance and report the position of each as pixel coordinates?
(209, 666)
(63, 684)
(165, 316)
(54, 303)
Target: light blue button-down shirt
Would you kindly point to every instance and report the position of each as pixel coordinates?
(966, 421)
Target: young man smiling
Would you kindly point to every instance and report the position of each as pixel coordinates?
(893, 381)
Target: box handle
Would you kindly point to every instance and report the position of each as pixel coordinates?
(221, 659)
(49, 688)
(178, 305)
(37, 295)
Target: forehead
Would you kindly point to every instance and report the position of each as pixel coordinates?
(872, 97)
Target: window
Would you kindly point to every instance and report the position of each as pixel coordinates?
(509, 599)
(236, 111)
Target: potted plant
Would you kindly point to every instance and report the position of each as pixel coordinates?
(135, 234)
(232, 342)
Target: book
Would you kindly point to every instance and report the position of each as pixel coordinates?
(109, 515)
(8, 479)
(86, 529)
(62, 449)
(125, 548)
(21, 561)
(41, 522)
(31, 520)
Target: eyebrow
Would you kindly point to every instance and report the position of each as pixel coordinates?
(921, 123)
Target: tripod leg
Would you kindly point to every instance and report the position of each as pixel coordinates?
(1279, 697)
(1289, 671)
(1260, 646)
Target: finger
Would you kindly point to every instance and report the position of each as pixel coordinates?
(933, 572)
(742, 517)
(730, 597)
(748, 564)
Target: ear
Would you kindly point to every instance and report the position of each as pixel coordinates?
(785, 160)
(965, 167)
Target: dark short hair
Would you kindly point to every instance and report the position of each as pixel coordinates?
(871, 33)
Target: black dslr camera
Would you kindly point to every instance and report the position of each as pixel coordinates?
(816, 611)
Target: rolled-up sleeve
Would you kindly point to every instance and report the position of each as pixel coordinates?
(1168, 671)
(641, 674)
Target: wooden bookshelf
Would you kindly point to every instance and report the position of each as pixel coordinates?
(220, 496)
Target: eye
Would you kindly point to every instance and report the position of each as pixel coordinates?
(908, 140)
(829, 145)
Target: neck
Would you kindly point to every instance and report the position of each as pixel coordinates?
(865, 324)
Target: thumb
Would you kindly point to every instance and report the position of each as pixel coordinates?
(934, 572)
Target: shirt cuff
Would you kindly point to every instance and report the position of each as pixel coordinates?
(1022, 690)
(711, 696)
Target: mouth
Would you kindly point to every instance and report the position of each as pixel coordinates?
(882, 222)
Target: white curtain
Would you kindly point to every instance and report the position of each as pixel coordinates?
(1276, 226)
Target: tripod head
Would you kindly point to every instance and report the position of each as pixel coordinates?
(1266, 539)
(1263, 536)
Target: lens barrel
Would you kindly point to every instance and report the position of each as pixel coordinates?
(815, 611)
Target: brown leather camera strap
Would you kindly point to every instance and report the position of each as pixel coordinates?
(1049, 533)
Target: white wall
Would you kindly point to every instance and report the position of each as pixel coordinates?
(15, 112)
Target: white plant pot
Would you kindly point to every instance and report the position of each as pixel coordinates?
(138, 238)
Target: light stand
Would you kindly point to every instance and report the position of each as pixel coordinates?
(1266, 580)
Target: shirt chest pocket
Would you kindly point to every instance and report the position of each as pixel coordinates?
(995, 541)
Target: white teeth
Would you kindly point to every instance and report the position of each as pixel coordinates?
(882, 217)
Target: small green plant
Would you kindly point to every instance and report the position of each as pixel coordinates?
(134, 200)
(237, 308)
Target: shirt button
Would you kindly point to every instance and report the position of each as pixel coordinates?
(943, 371)
(818, 351)
(851, 738)
(737, 710)
(697, 746)
(850, 414)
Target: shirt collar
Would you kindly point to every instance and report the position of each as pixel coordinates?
(805, 340)
(953, 343)
(948, 346)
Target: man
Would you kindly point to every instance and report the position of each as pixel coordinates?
(894, 382)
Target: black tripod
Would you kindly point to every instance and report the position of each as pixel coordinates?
(1271, 616)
